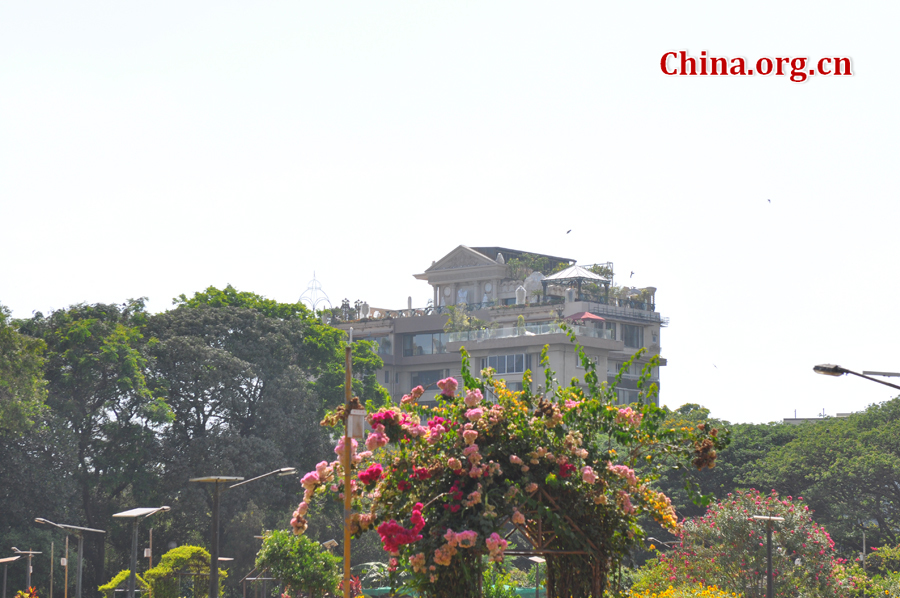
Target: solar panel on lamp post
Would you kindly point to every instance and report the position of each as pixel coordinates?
(214, 548)
(78, 532)
(136, 515)
(6, 561)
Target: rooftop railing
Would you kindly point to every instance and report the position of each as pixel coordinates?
(527, 330)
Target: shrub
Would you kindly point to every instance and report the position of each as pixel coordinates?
(300, 563)
(164, 579)
(686, 591)
(122, 578)
(727, 547)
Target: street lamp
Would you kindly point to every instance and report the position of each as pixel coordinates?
(6, 563)
(214, 548)
(78, 532)
(136, 515)
(30, 554)
(769, 587)
(828, 369)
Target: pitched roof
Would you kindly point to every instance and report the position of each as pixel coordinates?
(575, 272)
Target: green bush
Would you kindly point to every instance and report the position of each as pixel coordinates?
(164, 579)
(122, 578)
(300, 563)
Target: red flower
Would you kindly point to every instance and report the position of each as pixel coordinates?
(566, 470)
(371, 475)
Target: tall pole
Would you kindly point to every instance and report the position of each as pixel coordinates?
(5, 565)
(150, 566)
(66, 591)
(51, 569)
(214, 549)
(769, 588)
(864, 550)
(347, 441)
(28, 574)
(134, 543)
(80, 565)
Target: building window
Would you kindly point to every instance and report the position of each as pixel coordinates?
(426, 378)
(425, 344)
(627, 395)
(633, 336)
(611, 326)
(385, 346)
(387, 377)
(507, 364)
(613, 368)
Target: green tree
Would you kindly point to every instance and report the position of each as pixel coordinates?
(248, 379)
(22, 385)
(103, 409)
(848, 469)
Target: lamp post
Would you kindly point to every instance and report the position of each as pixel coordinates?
(829, 369)
(217, 489)
(6, 561)
(769, 586)
(78, 532)
(537, 573)
(29, 554)
(136, 515)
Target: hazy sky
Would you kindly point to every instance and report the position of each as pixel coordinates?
(156, 148)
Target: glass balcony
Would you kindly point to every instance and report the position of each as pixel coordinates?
(527, 330)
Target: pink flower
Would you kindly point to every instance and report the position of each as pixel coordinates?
(469, 436)
(515, 460)
(623, 471)
(496, 545)
(587, 475)
(417, 392)
(474, 414)
(531, 488)
(454, 463)
(518, 518)
(629, 417)
(311, 480)
(377, 439)
(448, 386)
(371, 475)
(473, 397)
(340, 449)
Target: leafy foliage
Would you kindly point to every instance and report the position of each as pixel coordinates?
(97, 389)
(164, 579)
(122, 578)
(843, 466)
(300, 563)
(727, 547)
(477, 466)
(22, 385)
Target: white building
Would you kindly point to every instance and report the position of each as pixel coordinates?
(520, 310)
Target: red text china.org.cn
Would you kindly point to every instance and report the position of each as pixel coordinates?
(798, 68)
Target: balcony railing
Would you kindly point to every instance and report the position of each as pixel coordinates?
(527, 330)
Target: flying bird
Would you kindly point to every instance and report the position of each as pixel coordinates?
(632, 274)
(770, 201)
(568, 231)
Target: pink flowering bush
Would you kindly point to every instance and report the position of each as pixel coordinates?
(444, 486)
(727, 547)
